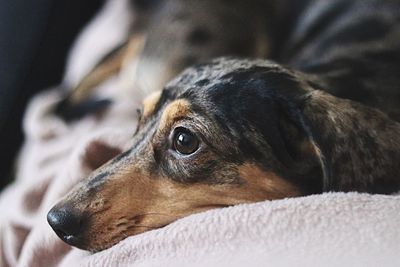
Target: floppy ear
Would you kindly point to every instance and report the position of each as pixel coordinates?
(304, 157)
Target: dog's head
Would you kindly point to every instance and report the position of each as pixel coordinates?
(220, 134)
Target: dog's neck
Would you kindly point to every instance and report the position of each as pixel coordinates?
(359, 145)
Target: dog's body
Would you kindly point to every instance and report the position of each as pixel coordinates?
(353, 49)
(166, 37)
(237, 131)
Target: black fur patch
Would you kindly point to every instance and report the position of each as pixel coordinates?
(199, 36)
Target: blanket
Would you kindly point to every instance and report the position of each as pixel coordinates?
(333, 229)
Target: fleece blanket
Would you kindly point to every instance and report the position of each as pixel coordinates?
(322, 230)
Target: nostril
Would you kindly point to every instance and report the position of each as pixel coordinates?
(66, 222)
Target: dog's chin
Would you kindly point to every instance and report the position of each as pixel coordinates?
(97, 239)
(99, 243)
(101, 247)
(93, 242)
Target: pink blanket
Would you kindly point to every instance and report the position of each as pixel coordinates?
(326, 230)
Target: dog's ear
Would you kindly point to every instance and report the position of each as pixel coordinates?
(304, 157)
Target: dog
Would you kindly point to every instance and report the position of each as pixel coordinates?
(166, 36)
(234, 130)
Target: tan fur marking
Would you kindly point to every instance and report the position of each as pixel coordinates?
(175, 110)
(150, 102)
(153, 203)
(275, 187)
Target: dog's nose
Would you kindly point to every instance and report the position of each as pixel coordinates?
(66, 222)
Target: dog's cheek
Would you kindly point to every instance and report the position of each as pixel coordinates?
(122, 204)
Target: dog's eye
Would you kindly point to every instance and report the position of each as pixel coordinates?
(184, 141)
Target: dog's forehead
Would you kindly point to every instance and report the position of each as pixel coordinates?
(216, 72)
(224, 79)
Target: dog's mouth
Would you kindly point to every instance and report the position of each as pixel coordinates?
(93, 233)
(98, 221)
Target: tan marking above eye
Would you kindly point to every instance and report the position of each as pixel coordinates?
(150, 102)
(173, 111)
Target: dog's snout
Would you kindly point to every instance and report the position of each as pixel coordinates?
(67, 223)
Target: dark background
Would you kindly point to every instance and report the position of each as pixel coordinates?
(35, 36)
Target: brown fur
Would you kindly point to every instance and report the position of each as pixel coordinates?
(176, 110)
(149, 104)
(270, 185)
(150, 202)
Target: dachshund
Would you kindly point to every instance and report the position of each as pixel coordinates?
(323, 116)
(166, 36)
